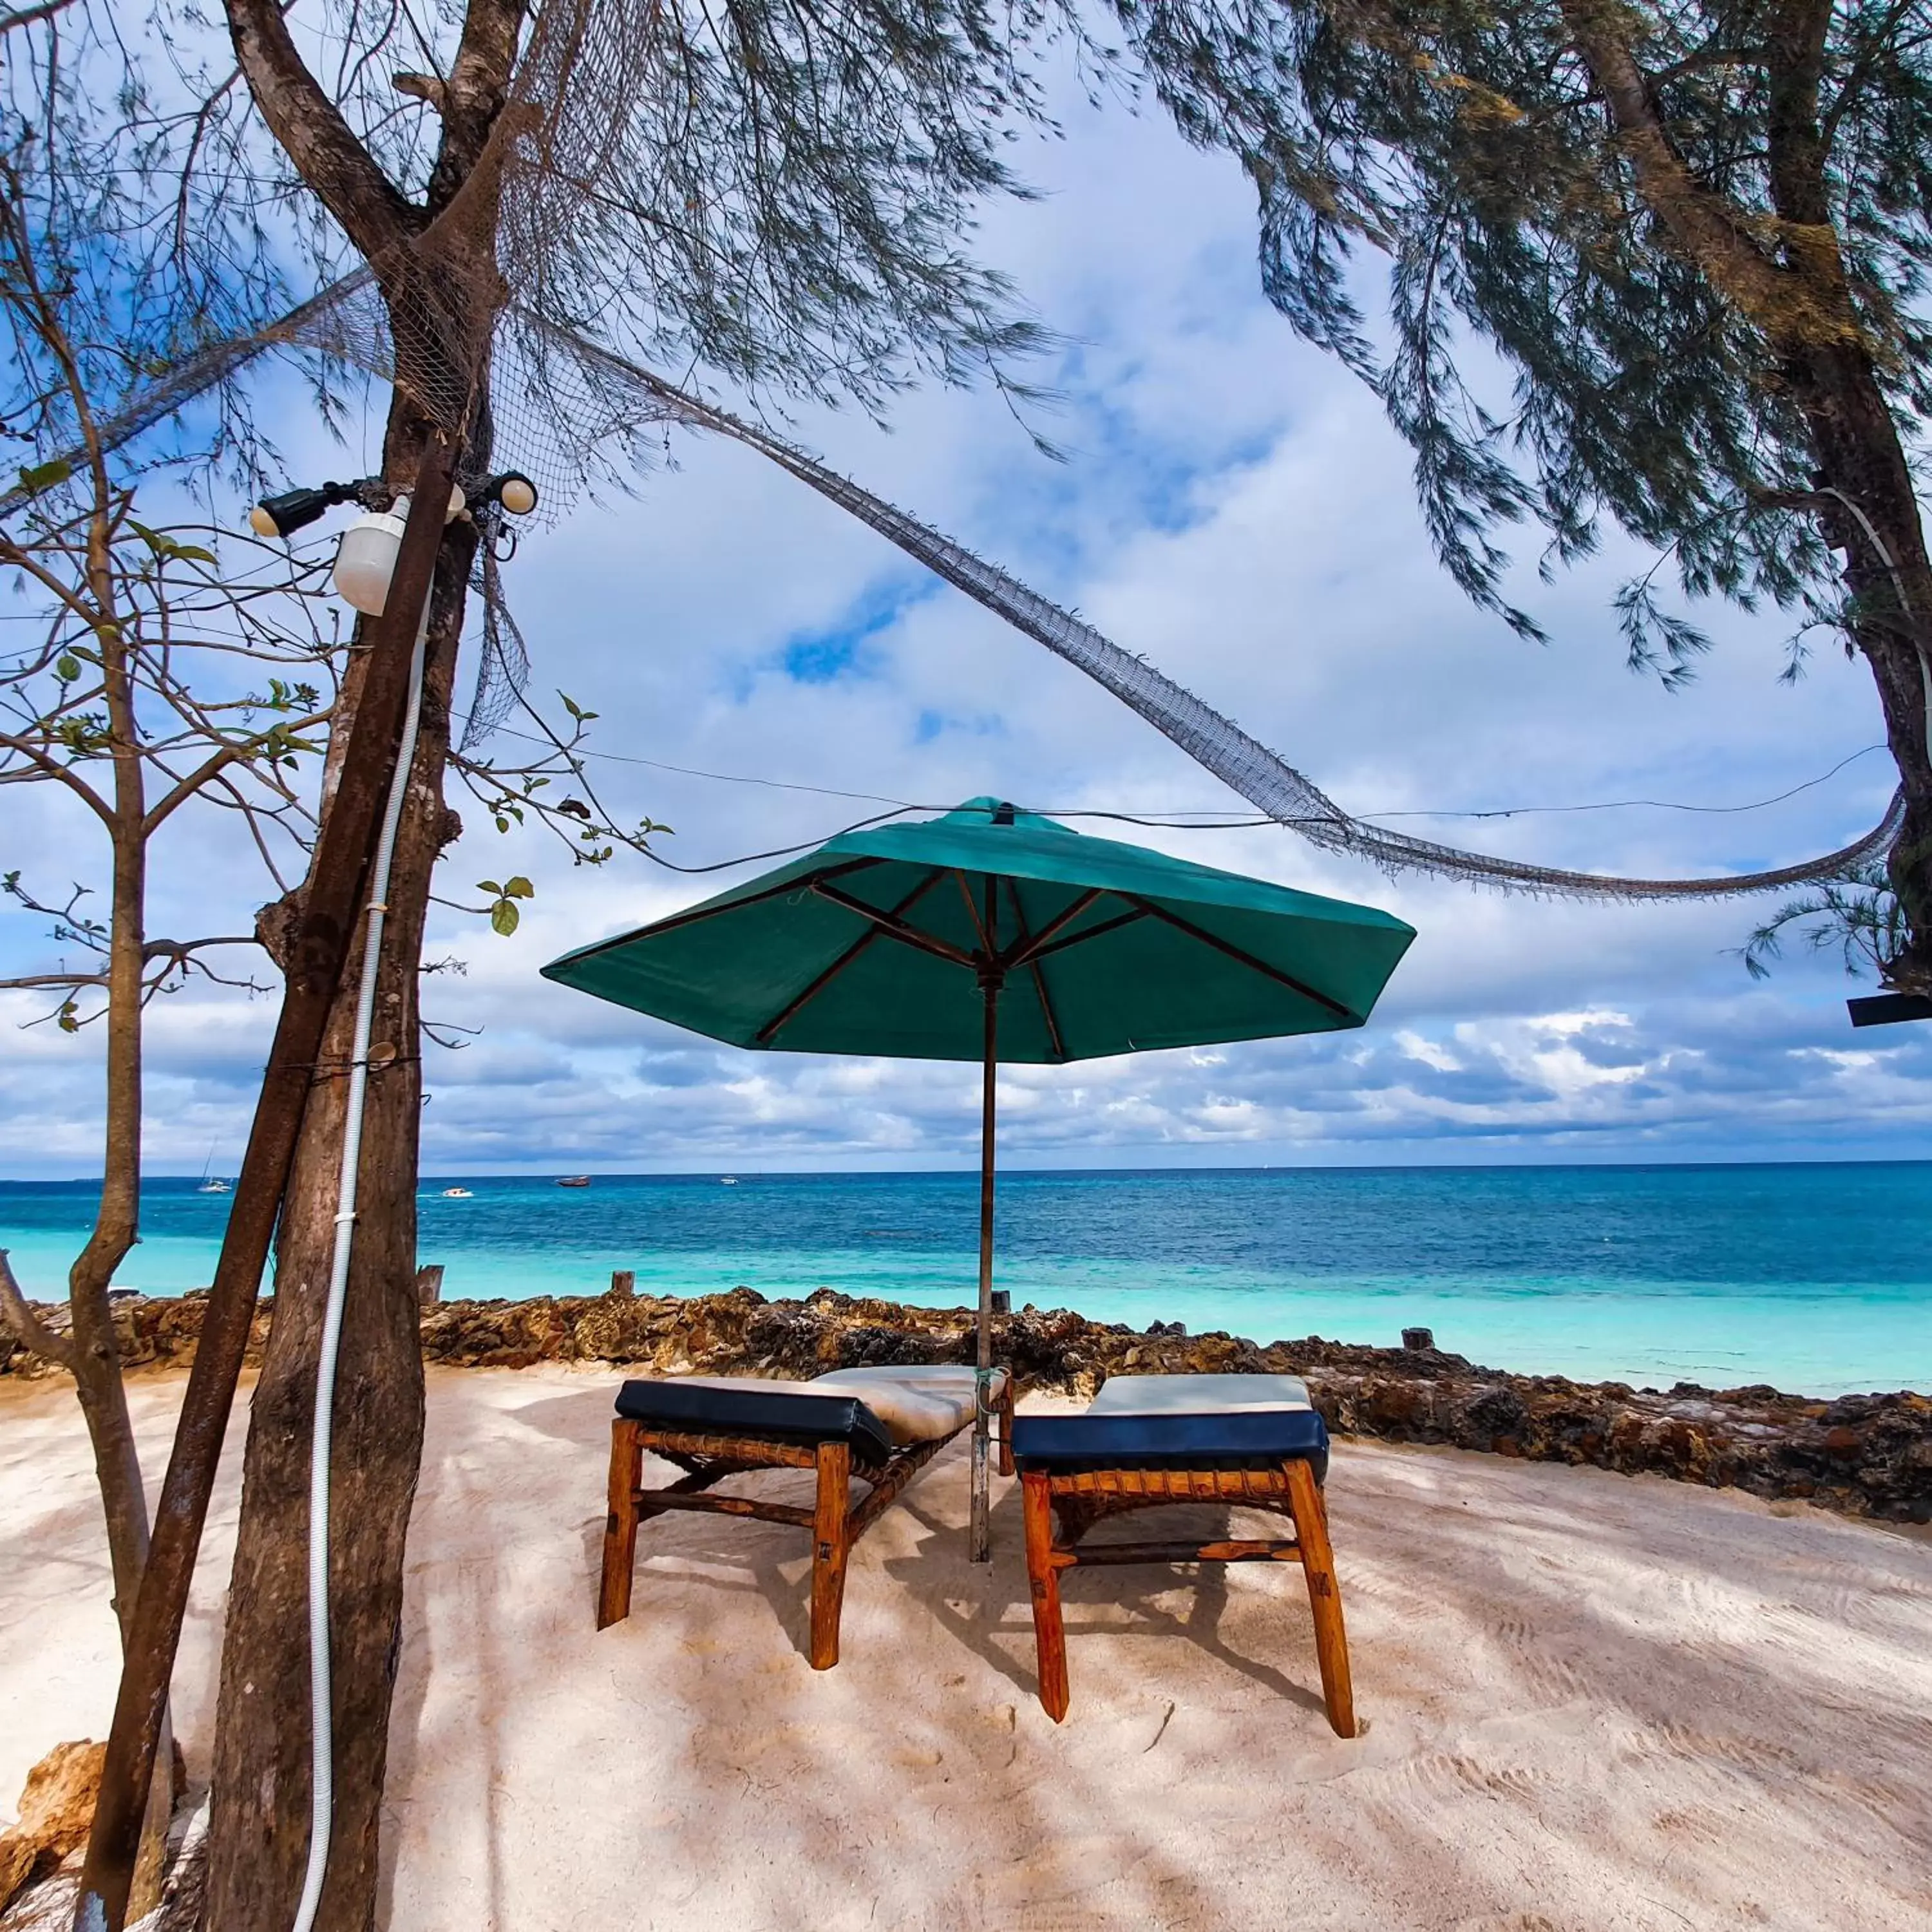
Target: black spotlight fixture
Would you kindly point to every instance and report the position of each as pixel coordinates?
(513, 490)
(296, 509)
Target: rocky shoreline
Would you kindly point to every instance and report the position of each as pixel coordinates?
(1861, 1455)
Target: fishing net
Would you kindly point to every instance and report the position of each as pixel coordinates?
(552, 391)
(1246, 766)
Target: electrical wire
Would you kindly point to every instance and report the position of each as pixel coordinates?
(779, 851)
(1626, 804)
(1181, 819)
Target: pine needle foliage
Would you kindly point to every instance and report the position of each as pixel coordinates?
(1595, 287)
(1857, 916)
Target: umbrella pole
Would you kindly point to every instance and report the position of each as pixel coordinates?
(979, 1539)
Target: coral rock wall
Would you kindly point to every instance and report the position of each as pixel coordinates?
(1864, 1455)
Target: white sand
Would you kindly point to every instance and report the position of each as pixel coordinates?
(1593, 1703)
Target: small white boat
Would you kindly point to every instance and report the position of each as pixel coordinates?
(573, 1180)
(727, 1181)
(457, 1194)
(214, 1187)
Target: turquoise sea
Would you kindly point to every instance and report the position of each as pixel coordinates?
(1817, 1278)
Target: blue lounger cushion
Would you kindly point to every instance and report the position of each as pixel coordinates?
(1064, 1444)
(786, 1413)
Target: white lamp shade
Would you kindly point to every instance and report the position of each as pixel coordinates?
(365, 559)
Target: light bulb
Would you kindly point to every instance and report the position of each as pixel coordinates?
(365, 560)
(517, 494)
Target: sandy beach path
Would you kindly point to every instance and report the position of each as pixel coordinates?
(1594, 1704)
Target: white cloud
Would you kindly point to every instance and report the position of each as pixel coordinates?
(1234, 507)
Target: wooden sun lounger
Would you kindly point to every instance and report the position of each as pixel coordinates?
(1249, 1441)
(875, 1424)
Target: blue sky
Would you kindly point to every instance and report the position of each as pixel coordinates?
(1233, 505)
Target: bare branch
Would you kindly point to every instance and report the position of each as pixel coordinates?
(27, 16)
(29, 1330)
(1725, 242)
(373, 212)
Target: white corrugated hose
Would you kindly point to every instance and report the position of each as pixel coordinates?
(322, 1728)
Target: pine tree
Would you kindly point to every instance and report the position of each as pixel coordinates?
(1664, 266)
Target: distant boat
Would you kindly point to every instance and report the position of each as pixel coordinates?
(573, 1180)
(212, 1187)
(727, 1181)
(457, 1194)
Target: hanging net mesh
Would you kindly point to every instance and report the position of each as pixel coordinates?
(502, 356)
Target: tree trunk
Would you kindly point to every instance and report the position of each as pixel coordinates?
(260, 1828)
(439, 317)
(96, 1353)
(1868, 509)
(1872, 514)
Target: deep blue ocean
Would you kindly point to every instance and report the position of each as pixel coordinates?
(1817, 1278)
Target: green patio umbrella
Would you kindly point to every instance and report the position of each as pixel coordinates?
(991, 934)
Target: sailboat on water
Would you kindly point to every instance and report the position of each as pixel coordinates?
(211, 1183)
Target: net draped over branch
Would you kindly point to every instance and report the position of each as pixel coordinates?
(558, 398)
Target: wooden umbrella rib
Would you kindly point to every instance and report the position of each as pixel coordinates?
(1247, 959)
(791, 1008)
(1032, 945)
(973, 910)
(795, 1005)
(895, 928)
(1042, 948)
(1053, 1035)
(698, 914)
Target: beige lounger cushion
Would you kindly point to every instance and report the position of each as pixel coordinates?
(916, 1403)
(1198, 1395)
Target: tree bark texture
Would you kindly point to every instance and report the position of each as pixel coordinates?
(94, 1355)
(1871, 510)
(260, 1827)
(1798, 293)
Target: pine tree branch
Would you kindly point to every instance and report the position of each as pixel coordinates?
(1711, 229)
(29, 1330)
(27, 16)
(311, 129)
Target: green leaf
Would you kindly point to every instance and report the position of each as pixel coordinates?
(519, 888)
(491, 887)
(45, 476)
(165, 547)
(503, 917)
(66, 1019)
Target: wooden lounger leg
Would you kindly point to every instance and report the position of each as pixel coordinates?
(1043, 1576)
(1324, 1597)
(831, 1542)
(1007, 1426)
(620, 1525)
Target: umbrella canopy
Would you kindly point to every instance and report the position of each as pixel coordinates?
(991, 934)
(878, 944)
